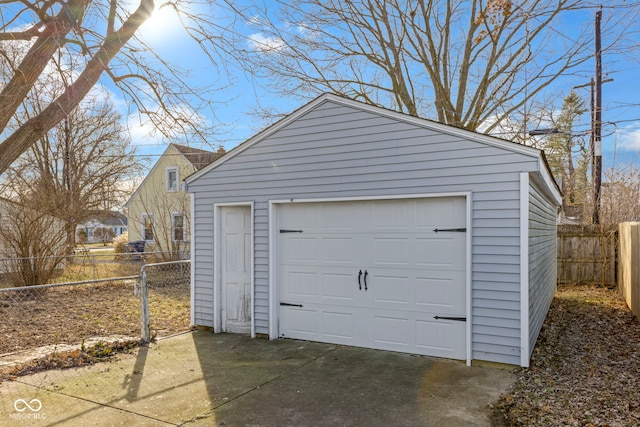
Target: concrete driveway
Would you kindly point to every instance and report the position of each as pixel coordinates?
(230, 380)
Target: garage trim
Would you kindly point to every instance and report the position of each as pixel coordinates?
(273, 261)
(217, 265)
(524, 269)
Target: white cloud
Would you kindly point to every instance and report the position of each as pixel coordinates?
(629, 138)
(177, 128)
(143, 132)
(265, 44)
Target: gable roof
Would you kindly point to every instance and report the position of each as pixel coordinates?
(425, 123)
(197, 157)
(112, 218)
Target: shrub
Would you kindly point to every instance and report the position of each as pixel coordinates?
(120, 243)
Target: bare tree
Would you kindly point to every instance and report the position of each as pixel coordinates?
(620, 200)
(104, 235)
(31, 243)
(75, 168)
(101, 40)
(169, 222)
(468, 63)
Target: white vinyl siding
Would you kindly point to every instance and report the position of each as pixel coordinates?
(337, 151)
(542, 260)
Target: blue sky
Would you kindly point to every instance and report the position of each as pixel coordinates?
(621, 97)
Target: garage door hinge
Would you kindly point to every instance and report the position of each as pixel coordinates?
(288, 304)
(291, 231)
(450, 230)
(459, 319)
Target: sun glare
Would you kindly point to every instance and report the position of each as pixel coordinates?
(162, 26)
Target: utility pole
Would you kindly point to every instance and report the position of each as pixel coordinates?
(597, 126)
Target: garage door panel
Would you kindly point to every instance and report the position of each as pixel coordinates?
(413, 274)
(337, 250)
(302, 323)
(300, 285)
(338, 288)
(313, 249)
(305, 214)
(390, 215)
(338, 325)
(390, 291)
(335, 219)
(300, 249)
(440, 251)
(391, 332)
(391, 251)
(441, 295)
(305, 284)
(321, 323)
(437, 338)
(440, 212)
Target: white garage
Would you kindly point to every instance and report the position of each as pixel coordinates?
(354, 225)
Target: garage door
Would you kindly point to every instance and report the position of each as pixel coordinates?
(386, 274)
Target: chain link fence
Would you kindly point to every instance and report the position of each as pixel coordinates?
(94, 312)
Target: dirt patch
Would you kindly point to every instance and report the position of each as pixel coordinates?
(68, 358)
(585, 368)
(73, 315)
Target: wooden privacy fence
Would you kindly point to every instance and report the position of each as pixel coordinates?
(629, 265)
(587, 254)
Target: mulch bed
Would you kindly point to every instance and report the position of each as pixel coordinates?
(585, 369)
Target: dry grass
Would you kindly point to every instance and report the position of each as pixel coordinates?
(71, 315)
(585, 369)
(90, 269)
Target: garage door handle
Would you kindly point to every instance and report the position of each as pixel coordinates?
(359, 284)
(365, 279)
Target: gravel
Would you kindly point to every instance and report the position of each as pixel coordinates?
(585, 368)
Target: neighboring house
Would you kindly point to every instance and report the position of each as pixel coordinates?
(352, 224)
(159, 211)
(92, 227)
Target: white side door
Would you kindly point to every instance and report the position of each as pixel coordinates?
(236, 298)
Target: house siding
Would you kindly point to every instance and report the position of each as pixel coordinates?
(338, 151)
(542, 260)
(153, 198)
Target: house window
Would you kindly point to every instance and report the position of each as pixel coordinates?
(177, 227)
(172, 179)
(147, 227)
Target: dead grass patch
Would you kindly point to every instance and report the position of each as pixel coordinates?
(585, 368)
(73, 314)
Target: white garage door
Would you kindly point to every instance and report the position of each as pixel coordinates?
(386, 274)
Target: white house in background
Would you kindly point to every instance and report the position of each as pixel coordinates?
(352, 224)
(114, 221)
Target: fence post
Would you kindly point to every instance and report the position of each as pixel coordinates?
(144, 307)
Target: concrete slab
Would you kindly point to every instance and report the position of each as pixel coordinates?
(205, 379)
